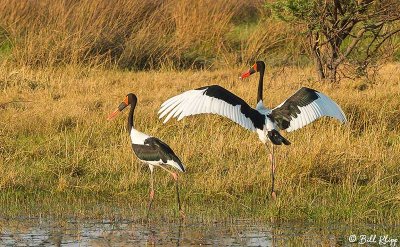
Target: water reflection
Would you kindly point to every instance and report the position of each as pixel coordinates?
(39, 232)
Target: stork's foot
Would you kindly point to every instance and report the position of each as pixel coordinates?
(182, 215)
(174, 175)
(273, 195)
(150, 204)
(151, 194)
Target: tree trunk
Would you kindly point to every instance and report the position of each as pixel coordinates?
(318, 64)
(331, 74)
(317, 57)
(333, 62)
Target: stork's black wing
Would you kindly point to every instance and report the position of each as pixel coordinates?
(303, 107)
(165, 153)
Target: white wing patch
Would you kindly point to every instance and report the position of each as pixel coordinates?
(195, 102)
(153, 163)
(323, 106)
(138, 137)
(174, 164)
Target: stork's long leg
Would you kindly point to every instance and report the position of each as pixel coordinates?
(273, 166)
(151, 192)
(175, 176)
(177, 195)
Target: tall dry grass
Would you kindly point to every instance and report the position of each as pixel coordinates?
(55, 141)
(142, 34)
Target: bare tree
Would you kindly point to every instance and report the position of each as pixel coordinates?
(340, 29)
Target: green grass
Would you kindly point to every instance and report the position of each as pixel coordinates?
(5, 48)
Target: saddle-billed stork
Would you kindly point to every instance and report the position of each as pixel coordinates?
(150, 150)
(300, 109)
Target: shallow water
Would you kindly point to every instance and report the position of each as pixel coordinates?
(44, 232)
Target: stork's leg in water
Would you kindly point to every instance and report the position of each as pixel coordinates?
(175, 176)
(273, 166)
(177, 196)
(151, 192)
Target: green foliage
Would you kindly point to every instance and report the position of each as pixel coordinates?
(397, 56)
(293, 10)
(5, 43)
(342, 31)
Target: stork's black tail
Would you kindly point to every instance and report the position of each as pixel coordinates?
(276, 138)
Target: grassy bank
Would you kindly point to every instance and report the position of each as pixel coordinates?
(134, 34)
(57, 147)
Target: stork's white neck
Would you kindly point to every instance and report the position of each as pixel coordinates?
(262, 109)
(138, 137)
(260, 104)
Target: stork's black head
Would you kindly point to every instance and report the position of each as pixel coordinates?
(130, 99)
(259, 66)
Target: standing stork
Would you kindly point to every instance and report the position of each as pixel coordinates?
(300, 109)
(150, 150)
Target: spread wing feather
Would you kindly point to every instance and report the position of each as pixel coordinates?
(215, 100)
(304, 107)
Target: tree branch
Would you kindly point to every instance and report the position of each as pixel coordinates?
(376, 35)
(384, 39)
(351, 47)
